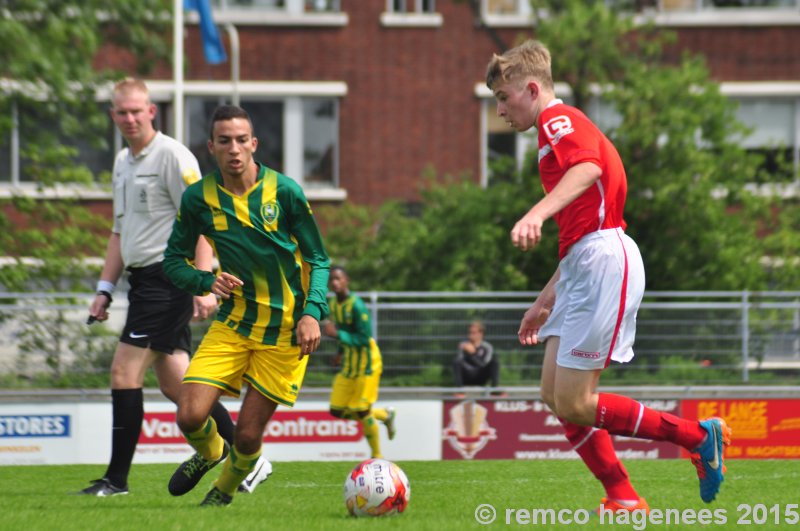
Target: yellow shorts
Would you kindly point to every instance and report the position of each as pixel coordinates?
(355, 394)
(225, 358)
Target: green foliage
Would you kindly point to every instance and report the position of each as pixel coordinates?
(458, 241)
(48, 48)
(688, 207)
(49, 52)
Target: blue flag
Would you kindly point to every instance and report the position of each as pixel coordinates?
(212, 45)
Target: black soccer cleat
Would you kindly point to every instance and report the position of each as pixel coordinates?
(216, 498)
(190, 472)
(103, 488)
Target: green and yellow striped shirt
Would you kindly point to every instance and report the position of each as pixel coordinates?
(359, 351)
(269, 239)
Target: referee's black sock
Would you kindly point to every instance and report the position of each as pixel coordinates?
(225, 426)
(128, 412)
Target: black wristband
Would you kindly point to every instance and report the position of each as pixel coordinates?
(107, 295)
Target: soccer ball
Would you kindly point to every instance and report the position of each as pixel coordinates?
(376, 487)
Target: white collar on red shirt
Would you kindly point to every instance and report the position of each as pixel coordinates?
(554, 102)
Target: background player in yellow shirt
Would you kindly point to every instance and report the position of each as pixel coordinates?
(355, 387)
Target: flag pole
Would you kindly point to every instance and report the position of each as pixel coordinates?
(233, 35)
(177, 70)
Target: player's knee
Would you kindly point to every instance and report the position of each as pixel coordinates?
(188, 421)
(190, 418)
(248, 439)
(573, 410)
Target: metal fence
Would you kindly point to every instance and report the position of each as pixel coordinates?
(683, 338)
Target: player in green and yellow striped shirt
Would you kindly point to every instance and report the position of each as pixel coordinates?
(273, 273)
(355, 387)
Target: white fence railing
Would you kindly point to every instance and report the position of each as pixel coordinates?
(683, 337)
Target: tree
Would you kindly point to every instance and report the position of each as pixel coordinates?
(48, 53)
(689, 208)
(47, 56)
(455, 239)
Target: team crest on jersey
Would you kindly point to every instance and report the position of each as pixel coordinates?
(558, 127)
(270, 212)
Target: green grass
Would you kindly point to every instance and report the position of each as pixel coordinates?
(445, 494)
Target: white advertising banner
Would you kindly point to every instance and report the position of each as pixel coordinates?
(80, 433)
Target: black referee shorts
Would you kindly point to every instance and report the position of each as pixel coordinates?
(159, 313)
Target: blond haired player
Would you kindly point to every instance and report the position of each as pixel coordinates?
(586, 314)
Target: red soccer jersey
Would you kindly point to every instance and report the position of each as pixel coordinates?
(566, 138)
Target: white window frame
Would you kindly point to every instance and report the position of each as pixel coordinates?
(764, 90)
(695, 15)
(294, 14)
(415, 18)
(291, 92)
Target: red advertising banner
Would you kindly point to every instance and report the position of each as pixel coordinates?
(762, 428)
(284, 427)
(526, 429)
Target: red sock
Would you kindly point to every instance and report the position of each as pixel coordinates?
(621, 415)
(595, 448)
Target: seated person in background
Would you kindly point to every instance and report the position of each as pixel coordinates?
(476, 363)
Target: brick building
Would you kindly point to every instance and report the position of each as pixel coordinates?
(357, 98)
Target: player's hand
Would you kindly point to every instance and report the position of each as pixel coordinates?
(99, 308)
(336, 360)
(532, 321)
(527, 233)
(467, 347)
(308, 335)
(204, 306)
(225, 284)
(329, 329)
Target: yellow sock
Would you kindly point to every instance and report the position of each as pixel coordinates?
(372, 435)
(380, 414)
(235, 469)
(207, 441)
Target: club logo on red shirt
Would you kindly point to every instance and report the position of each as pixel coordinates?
(558, 127)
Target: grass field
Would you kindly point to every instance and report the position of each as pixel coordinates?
(445, 495)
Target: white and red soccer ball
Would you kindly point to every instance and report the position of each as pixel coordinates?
(376, 487)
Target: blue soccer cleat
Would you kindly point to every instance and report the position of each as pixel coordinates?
(708, 457)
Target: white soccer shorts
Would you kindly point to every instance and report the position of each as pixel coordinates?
(597, 297)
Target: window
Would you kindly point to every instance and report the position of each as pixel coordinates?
(411, 13)
(277, 13)
(292, 6)
(20, 161)
(411, 6)
(296, 123)
(505, 7)
(774, 134)
(770, 110)
(320, 151)
(671, 13)
(296, 136)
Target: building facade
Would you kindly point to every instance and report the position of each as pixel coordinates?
(358, 99)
